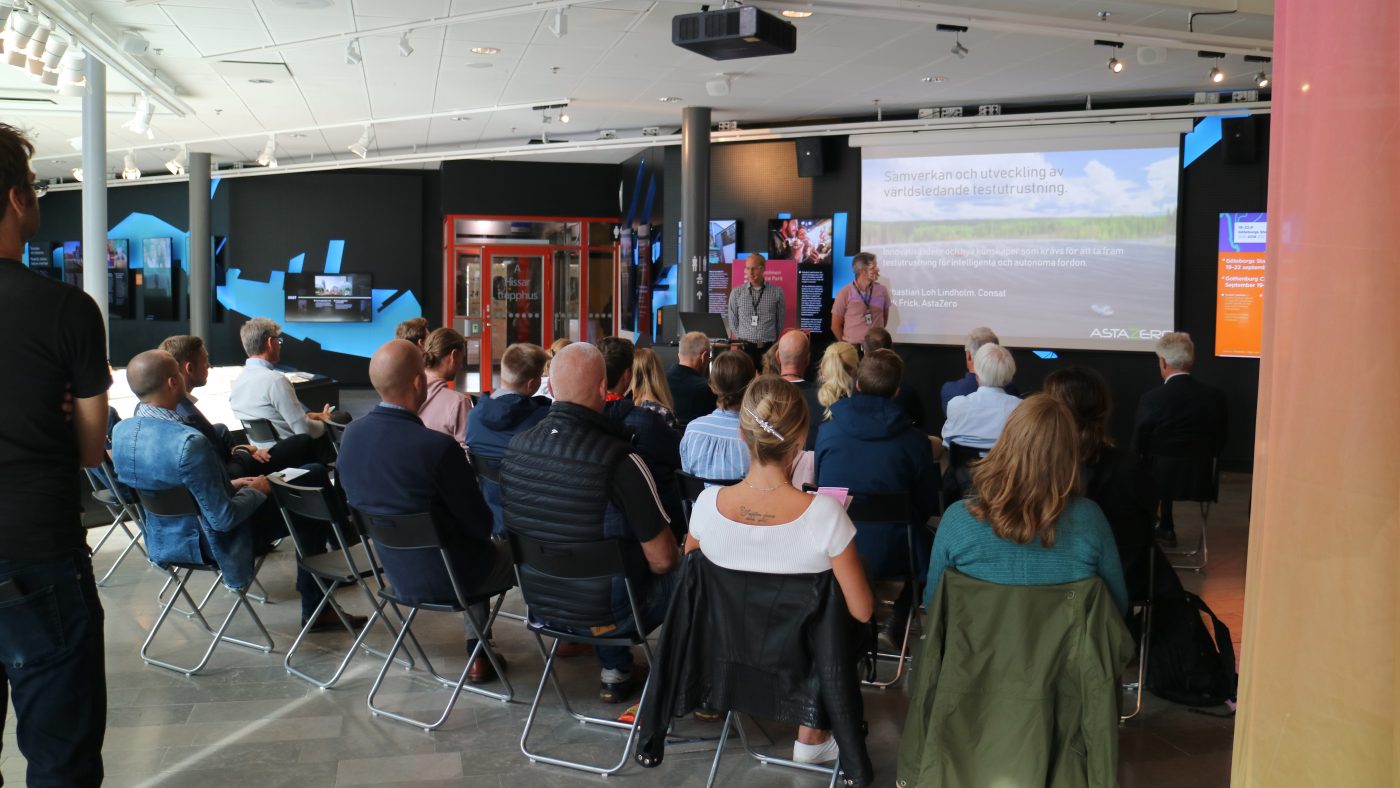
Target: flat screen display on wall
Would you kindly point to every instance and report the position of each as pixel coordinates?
(329, 298)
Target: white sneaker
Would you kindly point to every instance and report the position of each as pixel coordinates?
(815, 753)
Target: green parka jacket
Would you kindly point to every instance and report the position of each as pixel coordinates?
(1015, 687)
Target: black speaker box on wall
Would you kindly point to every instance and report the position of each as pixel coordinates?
(666, 332)
(1241, 142)
(809, 157)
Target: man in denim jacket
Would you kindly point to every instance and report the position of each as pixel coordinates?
(156, 450)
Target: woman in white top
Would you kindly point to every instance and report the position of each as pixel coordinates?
(765, 524)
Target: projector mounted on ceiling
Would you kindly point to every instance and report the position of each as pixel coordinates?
(732, 33)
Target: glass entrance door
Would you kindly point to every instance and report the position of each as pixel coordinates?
(470, 321)
(519, 292)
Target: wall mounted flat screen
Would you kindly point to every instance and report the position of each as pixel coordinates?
(808, 241)
(329, 298)
(118, 254)
(70, 258)
(1060, 237)
(1239, 295)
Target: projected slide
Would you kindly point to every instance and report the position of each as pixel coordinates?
(1239, 296)
(1065, 249)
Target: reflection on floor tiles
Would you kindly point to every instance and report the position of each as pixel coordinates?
(247, 722)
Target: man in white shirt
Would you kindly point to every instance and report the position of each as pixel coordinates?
(975, 420)
(261, 392)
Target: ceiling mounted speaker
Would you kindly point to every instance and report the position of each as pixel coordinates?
(1151, 56)
(133, 43)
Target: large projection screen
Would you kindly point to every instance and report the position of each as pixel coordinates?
(1055, 237)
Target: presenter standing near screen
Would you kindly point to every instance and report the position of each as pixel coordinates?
(756, 309)
(862, 304)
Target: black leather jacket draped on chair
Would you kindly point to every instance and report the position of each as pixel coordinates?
(777, 647)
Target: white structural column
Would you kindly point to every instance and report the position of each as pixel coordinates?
(95, 185)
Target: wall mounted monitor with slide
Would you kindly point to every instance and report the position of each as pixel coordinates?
(69, 256)
(1055, 237)
(119, 298)
(808, 241)
(157, 279)
(329, 298)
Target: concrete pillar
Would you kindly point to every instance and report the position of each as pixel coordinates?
(1318, 669)
(200, 254)
(695, 210)
(95, 185)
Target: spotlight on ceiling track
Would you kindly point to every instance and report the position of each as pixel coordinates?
(268, 157)
(352, 53)
(957, 31)
(19, 30)
(405, 48)
(360, 147)
(1261, 79)
(1114, 64)
(564, 117)
(72, 81)
(140, 122)
(1216, 74)
(177, 164)
(77, 174)
(559, 24)
(129, 169)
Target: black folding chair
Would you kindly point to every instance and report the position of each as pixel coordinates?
(123, 510)
(692, 486)
(419, 532)
(891, 507)
(1196, 453)
(178, 502)
(488, 468)
(349, 563)
(260, 431)
(543, 568)
(1145, 604)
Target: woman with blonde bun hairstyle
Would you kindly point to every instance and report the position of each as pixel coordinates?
(837, 372)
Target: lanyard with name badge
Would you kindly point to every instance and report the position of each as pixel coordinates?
(753, 319)
(865, 298)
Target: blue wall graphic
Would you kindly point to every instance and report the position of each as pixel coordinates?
(267, 299)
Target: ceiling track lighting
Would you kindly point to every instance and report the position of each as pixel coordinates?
(559, 24)
(405, 48)
(177, 165)
(140, 122)
(1261, 79)
(360, 147)
(957, 31)
(352, 53)
(129, 170)
(268, 157)
(77, 174)
(1216, 75)
(1114, 64)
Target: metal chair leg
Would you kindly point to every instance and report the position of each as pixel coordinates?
(327, 597)
(1143, 649)
(834, 771)
(133, 540)
(219, 636)
(901, 659)
(1202, 548)
(719, 750)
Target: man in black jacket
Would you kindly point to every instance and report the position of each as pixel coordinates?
(689, 379)
(658, 444)
(1180, 430)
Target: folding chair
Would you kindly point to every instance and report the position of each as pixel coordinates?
(692, 486)
(107, 492)
(1144, 603)
(1192, 456)
(957, 480)
(487, 468)
(889, 508)
(410, 532)
(335, 432)
(346, 564)
(178, 502)
(543, 568)
(260, 431)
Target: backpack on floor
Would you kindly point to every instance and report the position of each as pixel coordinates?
(1186, 664)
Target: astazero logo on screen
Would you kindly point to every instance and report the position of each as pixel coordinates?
(1128, 333)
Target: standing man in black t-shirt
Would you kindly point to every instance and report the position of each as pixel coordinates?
(51, 645)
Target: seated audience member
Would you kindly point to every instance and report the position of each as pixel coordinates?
(390, 463)
(908, 397)
(1112, 478)
(712, 448)
(771, 365)
(689, 378)
(156, 450)
(765, 524)
(838, 371)
(574, 477)
(261, 392)
(1176, 424)
(240, 459)
(1025, 525)
(512, 408)
(869, 446)
(968, 383)
(975, 420)
(445, 409)
(658, 444)
(794, 356)
(554, 347)
(414, 329)
(649, 387)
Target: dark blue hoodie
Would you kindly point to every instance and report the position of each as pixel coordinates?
(869, 446)
(490, 426)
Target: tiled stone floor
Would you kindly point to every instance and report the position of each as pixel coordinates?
(246, 722)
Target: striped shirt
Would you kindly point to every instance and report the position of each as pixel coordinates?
(765, 303)
(713, 449)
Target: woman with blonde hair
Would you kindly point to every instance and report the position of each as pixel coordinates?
(1026, 523)
(837, 372)
(445, 410)
(649, 387)
(765, 524)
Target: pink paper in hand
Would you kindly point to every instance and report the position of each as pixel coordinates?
(841, 494)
